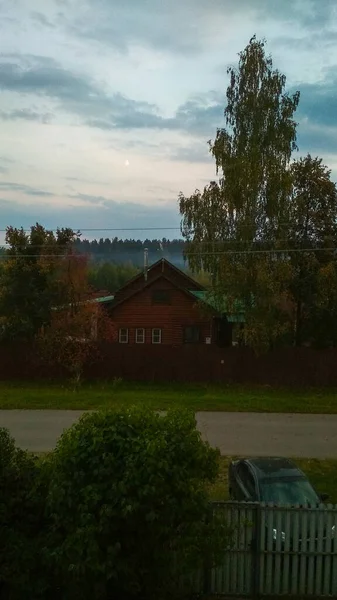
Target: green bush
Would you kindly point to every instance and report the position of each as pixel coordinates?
(22, 502)
(129, 505)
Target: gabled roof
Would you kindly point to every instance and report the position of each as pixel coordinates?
(162, 261)
(149, 283)
(198, 293)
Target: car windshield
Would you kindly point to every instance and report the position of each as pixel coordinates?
(288, 491)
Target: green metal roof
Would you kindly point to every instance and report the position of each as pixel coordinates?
(237, 314)
(103, 299)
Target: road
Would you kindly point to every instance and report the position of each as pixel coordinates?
(256, 434)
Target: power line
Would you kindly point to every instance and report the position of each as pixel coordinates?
(200, 243)
(269, 251)
(71, 245)
(109, 229)
(201, 254)
(90, 229)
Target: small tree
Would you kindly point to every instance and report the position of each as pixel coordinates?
(28, 279)
(72, 338)
(129, 504)
(76, 327)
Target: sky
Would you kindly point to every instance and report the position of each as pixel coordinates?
(106, 106)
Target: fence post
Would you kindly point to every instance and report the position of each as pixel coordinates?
(256, 554)
(207, 566)
(207, 587)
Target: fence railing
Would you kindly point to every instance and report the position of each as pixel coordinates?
(276, 551)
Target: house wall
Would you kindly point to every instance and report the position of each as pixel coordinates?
(139, 312)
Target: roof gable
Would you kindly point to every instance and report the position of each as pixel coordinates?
(161, 267)
(148, 283)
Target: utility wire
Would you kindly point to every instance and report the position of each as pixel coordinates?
(108, 229)
(223, 252)
(200, 243)
(82, 229)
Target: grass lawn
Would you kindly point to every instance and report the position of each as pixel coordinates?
(321, 473)
(161, 397)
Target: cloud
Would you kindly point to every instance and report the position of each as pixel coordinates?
(25, 115)
(9, 186)
(184, 27)
(322, 38)
(86, 180)
(127, 219)
(193, 153)
(318, 101)
(4, 164)
(41, 19)
(41, 75)
(90, 199)
(81, 96)
(316, 139)
(168, 26)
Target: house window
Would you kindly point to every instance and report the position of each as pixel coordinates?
(156, 336)
(191, 335)
(161, 297)
(140, 336)
(123, 336)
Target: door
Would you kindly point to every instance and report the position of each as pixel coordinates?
(223, 334)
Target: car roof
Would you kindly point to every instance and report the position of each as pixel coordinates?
(274, 467)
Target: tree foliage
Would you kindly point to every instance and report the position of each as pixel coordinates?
(30, 279)
(119, 510)
(111, 276)
(266, 229)
(75, 328)
(131, 251)
(22, 504)
(312, 241)
(129, 505)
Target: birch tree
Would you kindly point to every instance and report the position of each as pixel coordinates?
(235, 228)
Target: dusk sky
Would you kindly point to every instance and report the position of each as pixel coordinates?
(106, 106)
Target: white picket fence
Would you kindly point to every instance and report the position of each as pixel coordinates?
(276, 551)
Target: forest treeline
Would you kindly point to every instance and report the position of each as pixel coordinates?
(132, 251)
(110, 276)
(112, 262)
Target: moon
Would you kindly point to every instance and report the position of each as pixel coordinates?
(126, 163)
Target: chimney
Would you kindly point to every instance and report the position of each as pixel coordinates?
(146, 262)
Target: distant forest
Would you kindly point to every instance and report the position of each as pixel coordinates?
(131, 251)
(112, 262)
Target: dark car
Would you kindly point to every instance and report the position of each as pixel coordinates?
(271, 480)
(276, 481)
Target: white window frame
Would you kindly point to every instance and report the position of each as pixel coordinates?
(155, 331)
(141, 331)
(122, 338)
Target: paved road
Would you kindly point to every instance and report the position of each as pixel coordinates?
(256, 434)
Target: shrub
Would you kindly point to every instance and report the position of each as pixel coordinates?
(22, 498)
(129, 505)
